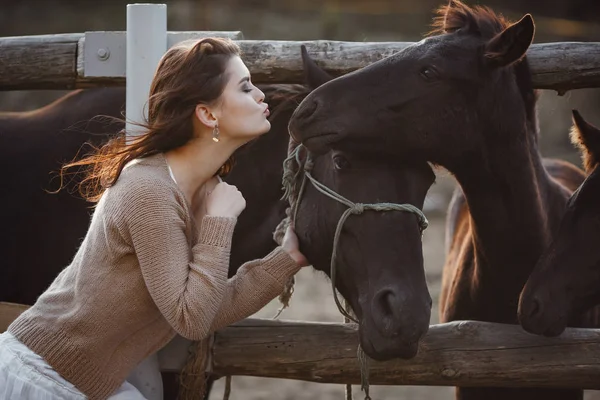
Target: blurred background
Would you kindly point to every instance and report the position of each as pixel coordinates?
(349, 20)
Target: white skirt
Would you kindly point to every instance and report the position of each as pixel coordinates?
(24, 375)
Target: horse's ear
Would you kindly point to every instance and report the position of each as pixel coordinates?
(587, 138)
(511, 44)
(314, 75)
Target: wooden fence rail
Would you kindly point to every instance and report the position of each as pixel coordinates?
(465, 353)
(51, 61)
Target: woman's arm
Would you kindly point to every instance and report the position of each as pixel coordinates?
(186, 283)
(254, 285)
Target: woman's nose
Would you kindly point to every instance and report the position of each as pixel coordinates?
(261, 96)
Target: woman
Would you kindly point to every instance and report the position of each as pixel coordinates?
(155, 259)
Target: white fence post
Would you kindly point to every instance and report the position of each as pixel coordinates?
(146, 44)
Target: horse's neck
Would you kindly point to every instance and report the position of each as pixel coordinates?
(514, 207)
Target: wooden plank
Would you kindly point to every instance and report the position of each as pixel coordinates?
(460, 353)
(564, 66)
(457, 353)
(38, 62)
(558, 66)
(51, 62)
(8, 313)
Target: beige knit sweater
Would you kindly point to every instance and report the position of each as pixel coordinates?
(143, 273)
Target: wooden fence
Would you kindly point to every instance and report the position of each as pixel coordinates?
(465, 353)
(54, 61)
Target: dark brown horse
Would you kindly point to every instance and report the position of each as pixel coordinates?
(383, 281)
(462, 99)
(42, 231)
(566, 279)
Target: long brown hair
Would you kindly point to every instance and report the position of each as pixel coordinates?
(189, 73)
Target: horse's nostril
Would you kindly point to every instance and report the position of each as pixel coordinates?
(385, 302)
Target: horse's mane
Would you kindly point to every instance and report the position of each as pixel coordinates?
(480, 20)
(483, 22)
(291, 171)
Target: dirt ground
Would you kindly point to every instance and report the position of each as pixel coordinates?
(313, 301)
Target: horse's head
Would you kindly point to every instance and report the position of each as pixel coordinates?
(566, 279)
(379, 267)
(433, 99)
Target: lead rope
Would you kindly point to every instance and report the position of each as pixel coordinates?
(349, 385)
(353, 208)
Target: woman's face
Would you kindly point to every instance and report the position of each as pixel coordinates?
(241, 111)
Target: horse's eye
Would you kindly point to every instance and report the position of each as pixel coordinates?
(340, 162)
(429, 74)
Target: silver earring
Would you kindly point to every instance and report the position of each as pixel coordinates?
(216, 133)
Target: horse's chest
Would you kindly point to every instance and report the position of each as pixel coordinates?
(474, 291)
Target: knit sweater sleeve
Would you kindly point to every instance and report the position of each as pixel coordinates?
(254, 285)
(187, 283)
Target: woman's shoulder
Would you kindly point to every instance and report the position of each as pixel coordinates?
(153, 167)
(146, 177)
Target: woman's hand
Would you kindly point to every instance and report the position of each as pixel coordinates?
(225, 201)
(291, 246)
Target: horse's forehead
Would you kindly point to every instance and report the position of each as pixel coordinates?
(417, 48)
(441, 46)
(423, 48)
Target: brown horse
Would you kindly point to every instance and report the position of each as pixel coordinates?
(462, 99)
(566, 279)
(383, 282)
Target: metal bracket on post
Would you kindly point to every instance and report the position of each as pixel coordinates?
(103, 54)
